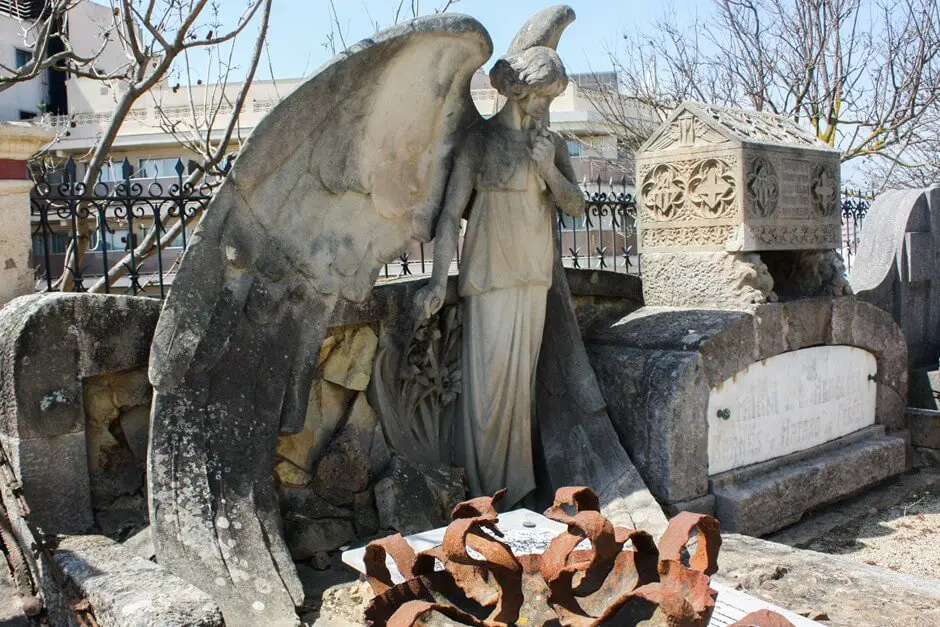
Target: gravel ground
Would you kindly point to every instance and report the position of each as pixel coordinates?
(904, 538)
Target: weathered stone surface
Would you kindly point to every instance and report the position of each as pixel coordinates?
(126, 590)
(50, 344)
(664, 434)
(289, 474)
(325, 411)
(343, 470)
(702, 505)
(924, 388)
(379, 456)
(305, 502)
(123, 517)
(715, 179)
(61, 492)
(135, 425)
(306, 537)
(410, 498)
(896, 268)
(140, 544)
(926, 458)
(856, 323)
(365, 515)
(657, 365)
(706, 279)
(849, 592)
(924, 426)
(130, 388)
(767, 502)
(821, 523)
(350, 364)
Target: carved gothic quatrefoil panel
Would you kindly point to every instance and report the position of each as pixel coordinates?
(762, 188)
(825, 190)
(663, 193)
(712, 189)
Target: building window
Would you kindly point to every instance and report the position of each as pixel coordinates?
(574, 147)
(23, 57)
(156, 168)
(28, 115)
(57, 242)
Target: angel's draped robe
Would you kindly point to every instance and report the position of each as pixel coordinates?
(505, 274)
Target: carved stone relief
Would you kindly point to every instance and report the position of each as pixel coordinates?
(663, 192)
(712, 189)
(822, 236)
(688, 236)
(761, 188)
(686, 131)
(689, 190)
(824, 190)
(414, 386)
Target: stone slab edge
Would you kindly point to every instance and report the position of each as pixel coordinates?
(770, 502)
(850, 592)
(812, 528)
(125, 590)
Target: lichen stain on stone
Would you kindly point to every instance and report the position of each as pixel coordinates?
(57, 397)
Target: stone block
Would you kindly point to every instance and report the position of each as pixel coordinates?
(926, 458)
(664, 434)
(54, 474)
(889, 407)
(919, 264)
(702, 505)
(717, 280)
(411, 498)
(850, 592)
(50, 344)
(769, 502)
(857, 323)
(125, 590)
(924, 388)
(924, 426)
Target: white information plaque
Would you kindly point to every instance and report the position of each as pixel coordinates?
(789, 403)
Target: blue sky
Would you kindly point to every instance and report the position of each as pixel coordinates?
(300, 27)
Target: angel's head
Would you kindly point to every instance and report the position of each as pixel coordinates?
(534, 77)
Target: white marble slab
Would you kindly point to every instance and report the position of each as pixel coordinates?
(789, 403)
(528, 532)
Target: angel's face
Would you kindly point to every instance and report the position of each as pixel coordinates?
(536, 106)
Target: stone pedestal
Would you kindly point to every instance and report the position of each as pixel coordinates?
(18, 142)
(756, 416)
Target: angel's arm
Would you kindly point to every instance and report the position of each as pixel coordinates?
(459, 191)
(551, 156)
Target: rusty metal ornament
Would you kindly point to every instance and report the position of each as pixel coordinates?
(624, 578)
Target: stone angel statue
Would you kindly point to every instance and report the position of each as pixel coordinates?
(381, 146)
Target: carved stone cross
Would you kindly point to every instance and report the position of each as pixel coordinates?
(825, 191)
(713, 188)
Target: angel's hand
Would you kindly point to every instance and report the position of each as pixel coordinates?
(429, 300)
(543, 152)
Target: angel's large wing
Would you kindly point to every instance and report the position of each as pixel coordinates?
(332, 183)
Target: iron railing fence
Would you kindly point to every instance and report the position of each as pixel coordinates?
(63, 211)
(855, 205)
(604, 238)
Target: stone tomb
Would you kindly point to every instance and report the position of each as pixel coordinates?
(716, 179)
(734, 204)
(756, 416)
